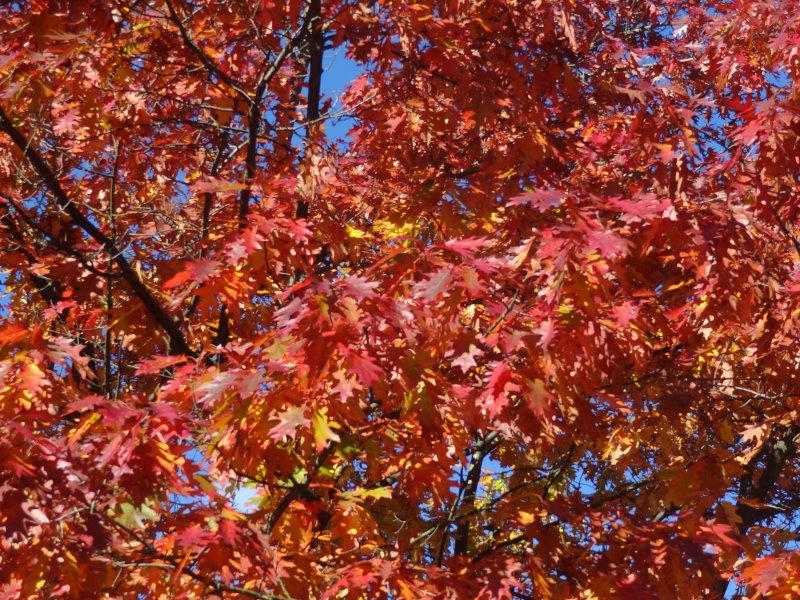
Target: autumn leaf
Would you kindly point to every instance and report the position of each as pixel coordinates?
(289, 421)
(540, 199)
(764, 574)
(609, 244)
(467, 247)
(157, 363)
(360, 288)
(135, 517)
(466, 360)
(323, 430)
(362, 366)
(213, 184)
(196, 272)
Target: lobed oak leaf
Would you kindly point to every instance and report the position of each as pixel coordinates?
(32, 379)
(134, 517)
(466, 360)
(215, 184)
(625, 313)
(609, 244)
(66, 122)
(59, 308)
(245, 243)
(11, 590)
(298, 229)
(395, 122)
(644, 206)
(360, 287)
(248, 382)
(289, 421)
(64, 350)
(471, 282)
(86, 403)
(433, 285)
(229, 531)
(198, 271)
(323, 430)
(750, 132)
(364, 368)
(211, 391)
(499, 378)
(194, 537)
(722, 533)
(467, 247)
(764, 574)
(546, 332)
(294, 289)
(539, 401)
(11, 333)
(156, 364)
(290, 313)
(541, 199)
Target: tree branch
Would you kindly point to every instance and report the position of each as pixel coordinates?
(109, 283)
(298, 490)
(315, 54)
(254, 115)
(202, 56)
(481, 450)
(171, 328)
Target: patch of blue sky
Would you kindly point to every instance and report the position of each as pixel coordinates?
(339, 73)
(5, 296)
(778, 78)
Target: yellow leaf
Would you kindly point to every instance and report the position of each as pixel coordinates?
(87, 422)
(391, 229)
(205, 484)
(355, 233)
(323, 432)
(701, 307)
(377, 493)
(679, 285)
(232, 515)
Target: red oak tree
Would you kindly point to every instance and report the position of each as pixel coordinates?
(531, 329)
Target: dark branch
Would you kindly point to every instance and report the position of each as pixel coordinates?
(171, 328)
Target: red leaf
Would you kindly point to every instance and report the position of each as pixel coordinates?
(194, 537)
(154, 365)
(541, 199)
(645, 206)
(466, 247)
(364, 368)
(434, 285)
(609, 244)
(764, 574)
(197, 271)
(214, 184)
(466, 360)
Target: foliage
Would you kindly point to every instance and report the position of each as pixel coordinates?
(531, 329)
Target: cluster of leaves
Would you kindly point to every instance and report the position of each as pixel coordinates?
(530, 330)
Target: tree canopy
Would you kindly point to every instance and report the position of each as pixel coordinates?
(530, 328)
